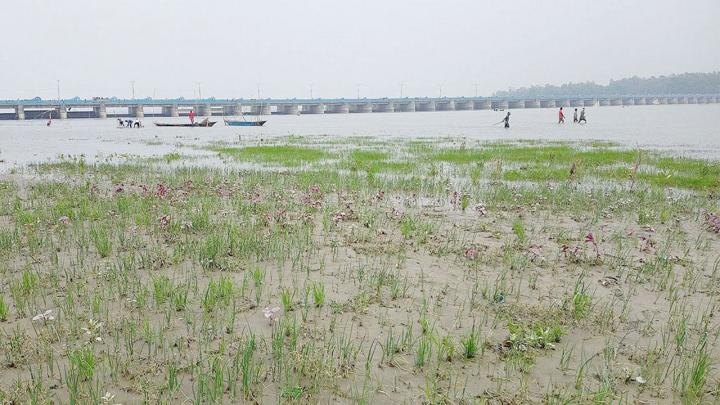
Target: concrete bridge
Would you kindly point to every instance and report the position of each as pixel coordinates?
(113, 107)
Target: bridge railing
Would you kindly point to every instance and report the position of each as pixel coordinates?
(115, 102)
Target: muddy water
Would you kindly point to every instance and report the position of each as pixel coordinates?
(684, 129)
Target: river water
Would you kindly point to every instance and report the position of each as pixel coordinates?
(688, 130)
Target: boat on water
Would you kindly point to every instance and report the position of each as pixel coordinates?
(203, 123)
(243, 123)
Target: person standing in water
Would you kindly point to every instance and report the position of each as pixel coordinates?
(192, 116)
(561, 117)
(575, 118)
(582, 119)
(507, 120)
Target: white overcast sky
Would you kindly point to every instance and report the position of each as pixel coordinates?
(97, 47)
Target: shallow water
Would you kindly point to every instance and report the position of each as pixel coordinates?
(690, 130)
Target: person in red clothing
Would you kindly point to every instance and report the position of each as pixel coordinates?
(561, 117)
(192, 116)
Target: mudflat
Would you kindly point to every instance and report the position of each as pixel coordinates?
(365, 270)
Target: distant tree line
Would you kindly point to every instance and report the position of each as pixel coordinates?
(685, 83)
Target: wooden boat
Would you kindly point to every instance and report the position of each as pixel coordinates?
(242, 123)
(203, 123)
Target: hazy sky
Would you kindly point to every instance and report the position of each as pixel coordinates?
(96, 48)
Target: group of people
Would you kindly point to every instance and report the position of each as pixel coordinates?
(129, 123)
(576, 119)
(561, 118)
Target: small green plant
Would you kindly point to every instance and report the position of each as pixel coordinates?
(318, 293)
(83, 362)
(286, 298)
(581, 300)
(218, 293)
(3, 309)
(180, 299)
(470, 343)
(464, 202)
(101, 240)
(424, 351)
(518, 228)
(446, 348)
(173, 382)
(294, 392)
(162, 289)
(391, 348)
(258, 276)
(538, 335)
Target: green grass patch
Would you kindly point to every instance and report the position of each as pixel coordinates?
(693, 181)
(172, 157)
(557, 154)
(538, 173)
(372, 162)
(283, 155)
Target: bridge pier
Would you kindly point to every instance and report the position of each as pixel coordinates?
(361, 108)
(499, 104)
(445, 105)
(264, 109)
(577, 102)
(516, 104)
(482, 105)
(428, 105)
(616, 101)
(203, 110)
(383, 107)
(313, 109)
(464, 105)
(20, 112)
(136, 111)
(341, 108)
(232, 110)
(547, 104)
(170, 111)
(288, 109)
(604, 102)
(100, 111)
(589, 102)
(639, 101)
(532, 103)
(628, 101)
(60, 113)
(406, 107)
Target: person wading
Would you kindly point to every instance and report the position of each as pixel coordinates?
(582, 119)
(561, 117)
(575, 118)
(506, 120)
(192, 116)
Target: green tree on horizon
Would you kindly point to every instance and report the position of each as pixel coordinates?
(684, 83)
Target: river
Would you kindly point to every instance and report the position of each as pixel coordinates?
(688, 130)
